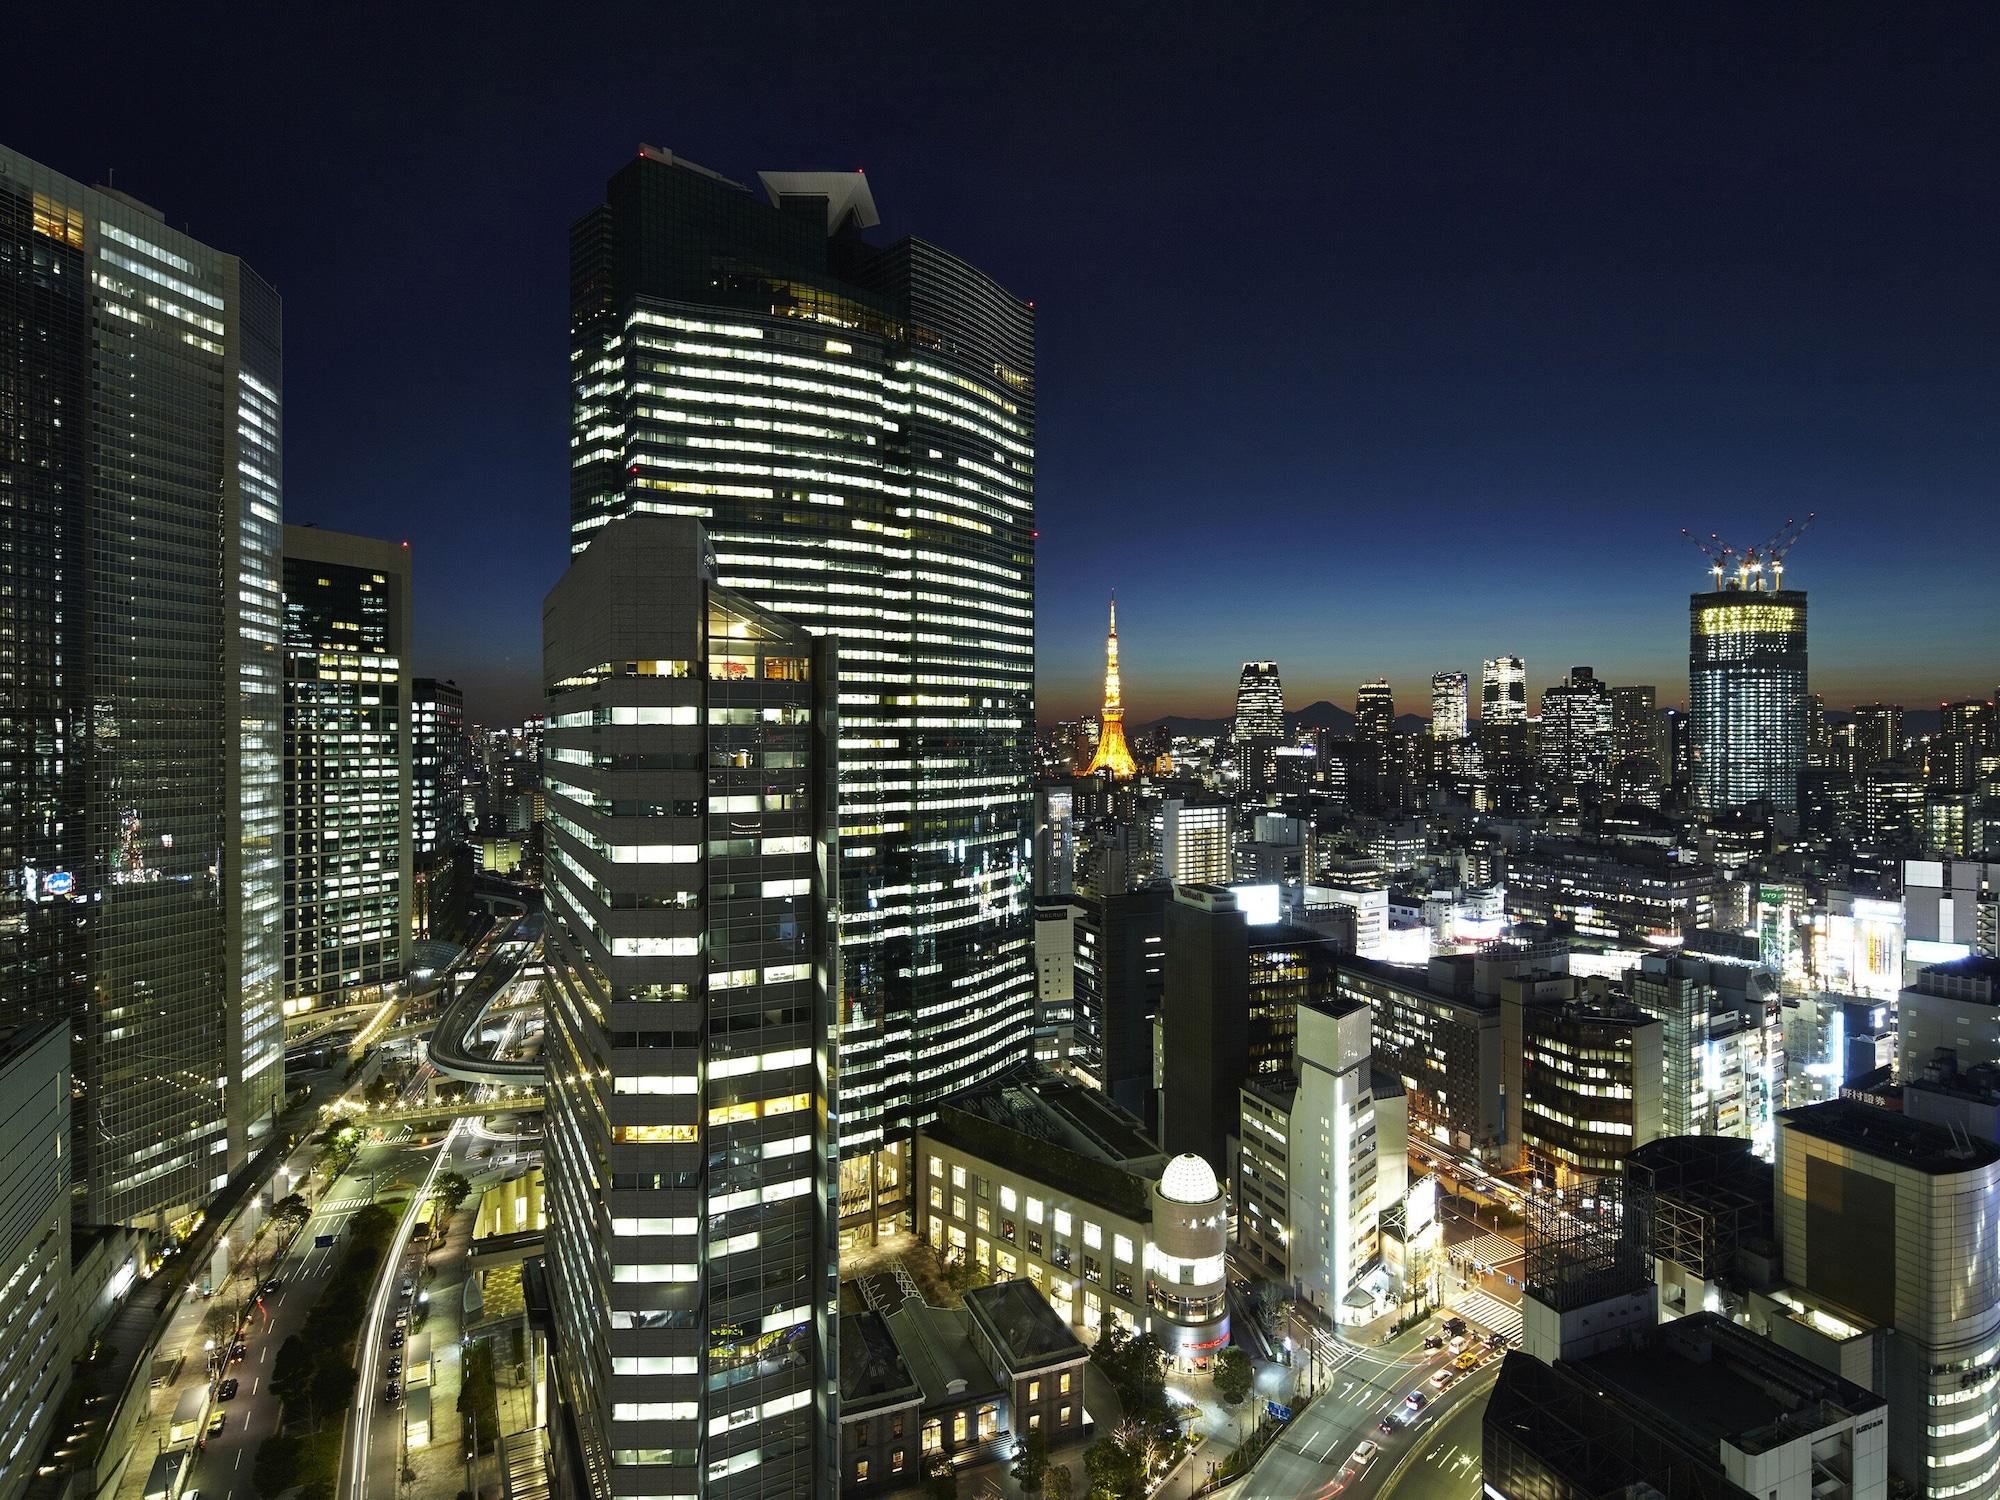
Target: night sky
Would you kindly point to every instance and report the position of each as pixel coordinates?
(1377, 343)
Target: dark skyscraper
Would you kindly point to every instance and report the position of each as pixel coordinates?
(140, 422)
(1747, 694)
(690, 1028)
(855, 425)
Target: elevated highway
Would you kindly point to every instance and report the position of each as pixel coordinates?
(454, 1048)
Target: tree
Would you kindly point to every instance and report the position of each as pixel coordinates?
(451, 1189)
(941, 1483)
(1031, 1464)
(219, 1323)
(1233, 1375)
(1115, 1470)
(379, 1092)
(291, 1213)
(292, 1377)
(1058, 1483)
(1135, 1364)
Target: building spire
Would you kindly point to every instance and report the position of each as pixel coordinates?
(1112, 757)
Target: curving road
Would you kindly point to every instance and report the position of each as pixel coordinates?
(454, 1045)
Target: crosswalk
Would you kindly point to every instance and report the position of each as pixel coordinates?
(1489, 1312)
(1491, 1250)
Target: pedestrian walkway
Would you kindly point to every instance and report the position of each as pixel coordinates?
(1488, 1312)
(1493, 1251)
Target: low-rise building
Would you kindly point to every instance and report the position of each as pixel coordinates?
(924, 1387)
(1048, 1182)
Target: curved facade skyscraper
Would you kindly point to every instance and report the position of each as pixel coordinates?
(1260, 702)
(855, 426)
(1747, 695)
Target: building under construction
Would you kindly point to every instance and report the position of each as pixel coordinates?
(1703, 1206)
(1582, 1247)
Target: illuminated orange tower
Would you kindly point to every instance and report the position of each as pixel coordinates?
(1112, 757)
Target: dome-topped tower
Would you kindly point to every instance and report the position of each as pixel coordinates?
(1185, 1276)
(1189, 1179)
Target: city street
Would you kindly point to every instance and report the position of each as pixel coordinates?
(223, 1466)
(1445, 1465)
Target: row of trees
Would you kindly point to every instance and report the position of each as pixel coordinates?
(479, 1397)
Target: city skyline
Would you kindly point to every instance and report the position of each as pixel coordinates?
(1525, 352)
(597, 901)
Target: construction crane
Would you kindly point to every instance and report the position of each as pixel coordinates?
(1778, 546)
(1717, 551)
(1751, 562)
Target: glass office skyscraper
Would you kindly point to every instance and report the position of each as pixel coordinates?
(139, 626)
(347, 851)
(1747, 695)
(855, 425)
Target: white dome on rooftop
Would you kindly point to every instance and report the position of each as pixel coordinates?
(1189, 1179)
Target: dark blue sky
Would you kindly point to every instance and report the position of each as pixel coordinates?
(1372, 338)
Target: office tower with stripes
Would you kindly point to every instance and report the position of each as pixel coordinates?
(349, 860)
(691, 1174)
(140, 461)
(1448, 705)
(855, 425)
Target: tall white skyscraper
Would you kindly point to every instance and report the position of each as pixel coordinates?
(1503, 692)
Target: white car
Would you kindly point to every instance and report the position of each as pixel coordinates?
(1364, 1453)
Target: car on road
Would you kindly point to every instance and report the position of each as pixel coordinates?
(1386, 1425)
(1454, 1325)
(1458, 1344)
(227, 1390)
(1443, 1378)
(1364, 1453)
(1433, 1341)
(1416, 1401)
(215, 1422)
(396, 1339)
(391, 1391)
(1467, 1361)
(236, 1352)
(272, 1285)
(395, 1365)
(1496, 1341)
